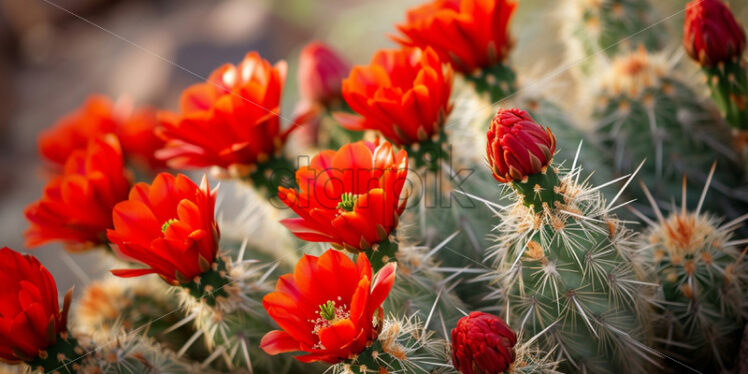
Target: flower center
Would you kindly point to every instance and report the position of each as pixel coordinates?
(167, 224)
(347, 201)
(329, 313)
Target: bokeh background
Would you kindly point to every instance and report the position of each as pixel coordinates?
(54, 53)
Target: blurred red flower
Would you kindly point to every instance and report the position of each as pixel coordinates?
(472, 34)
(168, 226)
(98, 116)
(350, 198)
(404, 94)
(76, 206)
(30, 316)
(482, 344)
(321, 73)
(232, 119)
(327, 308)
(517, 146)
(711, 34)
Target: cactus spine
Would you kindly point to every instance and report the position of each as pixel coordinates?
(564, 266)
(703, 278)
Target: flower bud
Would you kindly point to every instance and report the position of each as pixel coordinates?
(711, 34)
(517, 146)
(482, 344)
(321, 74)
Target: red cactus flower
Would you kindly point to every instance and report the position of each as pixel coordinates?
(137, 133)
(328, 308)
(98, 116)
(472, 34)
(711, 34)
(321, 73)
(232, 119)
(482, 344)
(517, 146)
(76, 207)
(168, 226)
(350, 198)
(404, 94)
(30, 316)
(73, 131)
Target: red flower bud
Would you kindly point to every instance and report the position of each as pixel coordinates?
(518, 146)
(482, 344)
(711, 34)
(30, 316)
(321, 74)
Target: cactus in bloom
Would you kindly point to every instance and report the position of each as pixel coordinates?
(644, 112)
(703, 277)
(563, 261)
(716, 40)
(600, 29)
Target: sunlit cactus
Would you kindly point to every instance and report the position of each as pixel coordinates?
(703, 275)
(119, 353)
(596, 30)
(139, 306)
(563, 261)
(645, 112)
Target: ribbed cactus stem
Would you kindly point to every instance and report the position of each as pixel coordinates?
(61, 357)
(382, 253)
(564, 264)
(430, 151)
(496, 82)
(540, 191)
(728, 85)
(209, 286)
(270, 172)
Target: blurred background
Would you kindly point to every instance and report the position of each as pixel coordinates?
(54, 53)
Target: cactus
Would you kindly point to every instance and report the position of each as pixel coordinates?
(570, 267)
(646, 112)
(703, 278)
(563, 261)
(600, 29)
(116, 353)
(134, 306)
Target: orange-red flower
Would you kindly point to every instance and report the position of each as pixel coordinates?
(73, 131)
(327, 308)
(137, 133)
(30, 316)
(76, 206)
(168, 226)
(98, 116)
(472, 34)
(232, 119)
(404, 94)
(321, 73)
(350, 198)
(711, 34)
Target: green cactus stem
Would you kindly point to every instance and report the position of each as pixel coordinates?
(729, 88)
(497, 82)
(564, 265)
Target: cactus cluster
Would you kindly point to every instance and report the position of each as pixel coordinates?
(440, 234)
